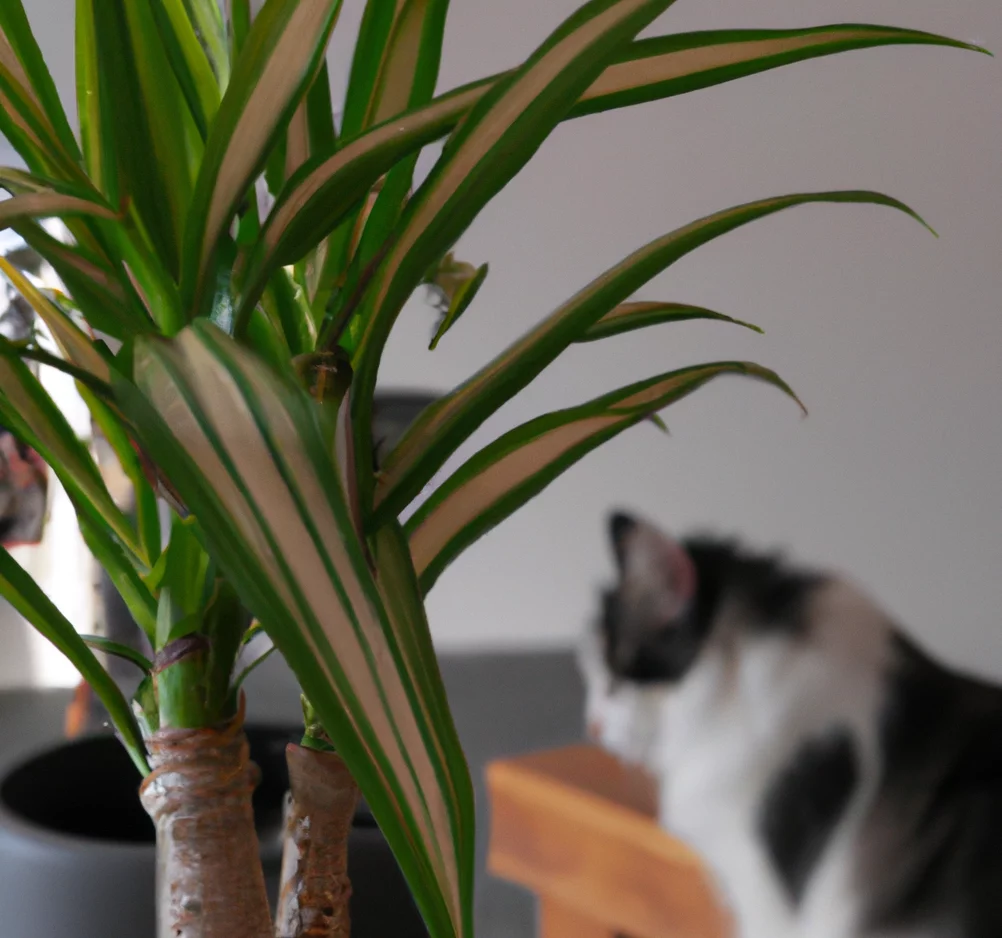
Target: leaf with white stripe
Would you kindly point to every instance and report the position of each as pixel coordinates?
(21, 57)
(320, 196)
(31, 115)
(249, 453)
(277, 64)
(497, 138)
(443, 426)
(50, 205)
(640, 314)
(503, 476)
(664, 66)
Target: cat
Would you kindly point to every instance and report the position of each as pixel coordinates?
(837, 781)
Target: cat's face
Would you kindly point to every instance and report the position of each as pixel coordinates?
(645, 642)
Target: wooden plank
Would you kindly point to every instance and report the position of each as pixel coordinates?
(576, 827)
(556, 920)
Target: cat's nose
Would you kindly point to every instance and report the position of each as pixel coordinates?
(594, 731)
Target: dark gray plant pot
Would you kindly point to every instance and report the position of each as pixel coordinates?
(77, 855)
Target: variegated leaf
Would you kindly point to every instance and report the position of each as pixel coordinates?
(441, 428)
(497, 138)
(249, 453)
(638, 315)
(322, 194)
(276, 66)
(507, 473)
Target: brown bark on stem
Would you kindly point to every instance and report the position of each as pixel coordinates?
(313, 902)
(209, 878)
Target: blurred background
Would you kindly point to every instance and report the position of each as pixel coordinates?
(891, 336)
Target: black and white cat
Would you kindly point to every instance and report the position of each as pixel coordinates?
(837, 781)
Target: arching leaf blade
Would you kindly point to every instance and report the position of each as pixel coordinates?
(499, 135)
(188, 59)
(30, 413)
(24, 594)
(20, 55)
(443, 426)
(278, 62)
(640, 314)
(72, 341)
(319, 198)
(498, 480)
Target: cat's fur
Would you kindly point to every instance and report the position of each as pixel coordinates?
(838, 782)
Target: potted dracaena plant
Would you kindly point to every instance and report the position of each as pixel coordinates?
(235, 266)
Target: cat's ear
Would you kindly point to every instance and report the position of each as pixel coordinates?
(652, 562)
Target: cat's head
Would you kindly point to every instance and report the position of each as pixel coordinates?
(647, 637)
(672, 605)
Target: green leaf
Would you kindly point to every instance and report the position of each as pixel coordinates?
(21, 57)
(638, 315)
(189, 60)
(443, 426)
(276, 67)
(122, 572)
(503, 476)
(287, 304)
(225, 624)
(403, 72)
(94, 107)
(144, 705)
(207, 20)
(311, 131)
(249, 452)
(181, 578)
(176, 142)
(497, 138)
(458, 295)
(246, 672)
(320, 115)
(398, 586)
(119, 437)
(29, 412)
(119, 650)
(23, 593)
(94, 285)
(23, 352)
(141, 118)
(72, 341)
(50, 205)
(319, 197)
(239, 23)
(367, 62)
(24, 121)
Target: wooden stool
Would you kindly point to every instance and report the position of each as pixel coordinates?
(578, 829)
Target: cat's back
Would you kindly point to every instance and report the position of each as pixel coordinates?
(930, 859)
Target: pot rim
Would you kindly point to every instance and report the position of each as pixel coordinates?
(13, 823)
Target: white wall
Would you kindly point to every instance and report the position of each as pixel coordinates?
(891, 336)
